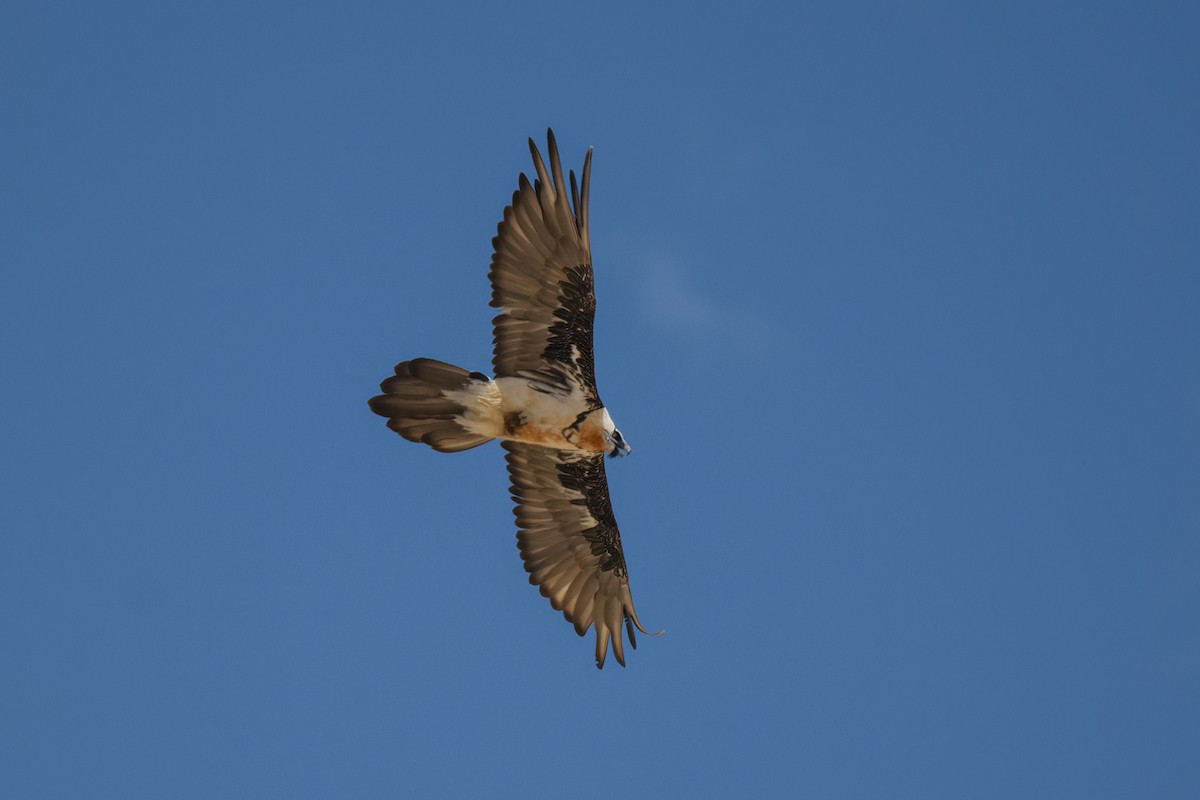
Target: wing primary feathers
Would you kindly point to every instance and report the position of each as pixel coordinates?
(585, 612)
(575, 199)
(602, 633)
(545, 189)
(581, 207)
(631, 616)
(555, 164)
(523, 183)
(614, 626)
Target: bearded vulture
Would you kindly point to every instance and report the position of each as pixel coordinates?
(542, 404)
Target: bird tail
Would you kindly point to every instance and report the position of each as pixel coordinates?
(438, 404)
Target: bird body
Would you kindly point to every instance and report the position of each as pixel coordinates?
(521, 410)
(542, 404)
(465, 410)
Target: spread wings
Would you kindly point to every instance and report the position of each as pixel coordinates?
(569, 541)
(541, 278)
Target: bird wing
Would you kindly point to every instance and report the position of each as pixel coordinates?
(541, 276)
(569, 541)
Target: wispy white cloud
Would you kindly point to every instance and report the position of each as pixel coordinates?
(672, 301)
(669, 301)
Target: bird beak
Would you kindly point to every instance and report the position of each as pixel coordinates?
(623, 449)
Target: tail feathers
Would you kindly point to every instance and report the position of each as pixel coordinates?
(414, 401)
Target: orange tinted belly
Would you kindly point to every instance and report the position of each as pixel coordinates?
(589, 436)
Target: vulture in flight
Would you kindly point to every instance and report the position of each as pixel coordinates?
(542, 404)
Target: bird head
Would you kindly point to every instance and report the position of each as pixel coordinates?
(620, 446)
(614, 443)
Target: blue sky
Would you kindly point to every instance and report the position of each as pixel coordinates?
(897, 309)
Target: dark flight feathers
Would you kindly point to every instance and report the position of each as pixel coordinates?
(541, 276)
(569, 541)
